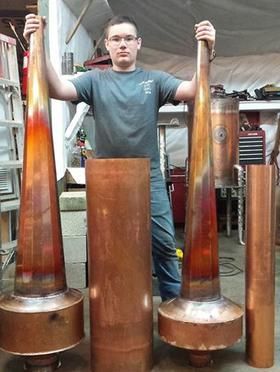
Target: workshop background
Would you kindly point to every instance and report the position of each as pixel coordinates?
(247, 67)
(247, 47)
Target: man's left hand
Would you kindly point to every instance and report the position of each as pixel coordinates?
(205, 31)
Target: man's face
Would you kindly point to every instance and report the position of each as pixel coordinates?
(123, 44)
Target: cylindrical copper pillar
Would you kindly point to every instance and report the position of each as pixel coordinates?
(277, 223)
(120, 278)
(42, 316)
(260, 265)
(225, 129)
(201, 319)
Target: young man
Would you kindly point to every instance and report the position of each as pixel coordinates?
(126, 100)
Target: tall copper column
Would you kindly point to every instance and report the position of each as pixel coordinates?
(118, 215)
(42, 316)
(260, 265)
(201, 319)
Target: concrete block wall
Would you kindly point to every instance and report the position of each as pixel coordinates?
(73, 225)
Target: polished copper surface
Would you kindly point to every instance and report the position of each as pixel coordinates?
(200, 274)
(41, 325)
(200, 325)
(201, 319)
(42, 316)
(40, 261)
(260, 265)
(277, 223)
(120, 279)
(225, 133)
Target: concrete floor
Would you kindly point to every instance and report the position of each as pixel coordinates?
(168, 358)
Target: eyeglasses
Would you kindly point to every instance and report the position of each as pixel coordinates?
(128, 39)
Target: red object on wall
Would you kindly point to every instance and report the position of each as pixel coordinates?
(102, 62)
(178, 195)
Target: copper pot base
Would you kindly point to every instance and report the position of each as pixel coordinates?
(43, 325)
(42, 363)
(200, 326)
(200, 359)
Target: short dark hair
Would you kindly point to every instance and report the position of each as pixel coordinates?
(117, 20)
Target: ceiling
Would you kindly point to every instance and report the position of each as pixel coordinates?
(95, 17)
(243, 27)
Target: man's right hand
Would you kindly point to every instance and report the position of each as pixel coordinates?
(31, 25)
(59, 88)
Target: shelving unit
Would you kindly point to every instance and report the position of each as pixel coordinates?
(11, 148)
(176, 117)
(243, 106)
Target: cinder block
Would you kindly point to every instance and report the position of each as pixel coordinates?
(76, 275)
(73, 223)
(75, 248)
(72, 201)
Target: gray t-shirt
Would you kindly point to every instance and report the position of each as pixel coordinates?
(125, 107)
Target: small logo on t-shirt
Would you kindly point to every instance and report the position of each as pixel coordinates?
(147, 86)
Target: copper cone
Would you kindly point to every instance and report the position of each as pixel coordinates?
(118, 215)
(42, 316)
(201, 319)
(260, 265)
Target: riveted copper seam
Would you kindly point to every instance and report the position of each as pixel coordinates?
(120, 286)
(42, 316)
(260, 265)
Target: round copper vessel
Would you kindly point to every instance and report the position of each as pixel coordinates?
(225, 129)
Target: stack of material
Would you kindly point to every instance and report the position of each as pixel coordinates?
(73, 224)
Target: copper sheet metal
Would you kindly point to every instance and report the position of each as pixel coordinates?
(225, 130)
(201, 319)
(41, 325)
(260, 265)
(118, 214)
(200, 274)
(201, 325)
(40, 261)
(42, 316)
(277, 224)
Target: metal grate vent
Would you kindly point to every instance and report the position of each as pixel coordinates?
(5, 181)
(252, 147)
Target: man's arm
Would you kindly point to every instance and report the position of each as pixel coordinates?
(186, 90)
(58, 87)
(203, 31)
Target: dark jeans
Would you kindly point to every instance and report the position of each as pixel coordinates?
(163, 242)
